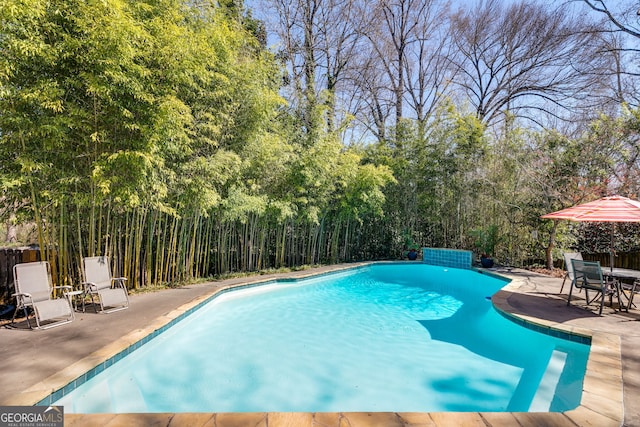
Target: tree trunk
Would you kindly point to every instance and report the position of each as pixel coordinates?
(548, 250)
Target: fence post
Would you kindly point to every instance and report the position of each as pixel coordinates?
(8, 258)
(15, 256)
(4, 277)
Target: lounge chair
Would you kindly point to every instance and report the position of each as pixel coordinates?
(110, 291)
(588, 276)
(568, 256)
(33, 289)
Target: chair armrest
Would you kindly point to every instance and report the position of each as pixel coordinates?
(63, 287)
(88, 285)
(23, 298)
(21, 294)
(119, 281)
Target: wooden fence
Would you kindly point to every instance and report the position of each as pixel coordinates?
(9, 258)
(629, 260)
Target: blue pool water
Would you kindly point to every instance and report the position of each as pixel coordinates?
(386, 337)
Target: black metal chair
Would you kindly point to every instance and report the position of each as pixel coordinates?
(588, 276)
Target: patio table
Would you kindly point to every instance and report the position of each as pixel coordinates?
(625, 280)
(73, 295)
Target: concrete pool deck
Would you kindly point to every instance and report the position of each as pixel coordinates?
(36, 363)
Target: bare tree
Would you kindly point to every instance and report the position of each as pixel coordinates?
(523, 58)
(623, 14)
(381, 61)
(392, 30)
(371, 100)
(621, 31)
(338, 42)
(317, 39)
(615, 73)
(426, 67)
(297, 34)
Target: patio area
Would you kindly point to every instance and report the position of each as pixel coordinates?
(34, 363)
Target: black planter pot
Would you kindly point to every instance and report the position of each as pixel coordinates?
(486, 262)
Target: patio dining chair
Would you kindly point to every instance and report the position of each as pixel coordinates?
(109, 291)
(33, 290)
(588, 276)
(568, 256)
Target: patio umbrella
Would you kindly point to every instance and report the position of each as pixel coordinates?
(608, 209)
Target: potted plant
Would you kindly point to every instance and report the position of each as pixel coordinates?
(486, 261)
(486, 239)
(413, 250)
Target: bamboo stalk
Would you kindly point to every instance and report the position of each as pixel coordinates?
(207, 246)
(160, 248)
(192, 270)
(99, 230)
(148, 261)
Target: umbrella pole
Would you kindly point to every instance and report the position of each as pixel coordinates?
(611, 250)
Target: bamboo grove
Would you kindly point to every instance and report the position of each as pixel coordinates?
(153, 132)
(157, 132)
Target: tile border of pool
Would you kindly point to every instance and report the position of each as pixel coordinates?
(601, 404)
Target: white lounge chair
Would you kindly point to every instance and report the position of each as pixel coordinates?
(33, 289)
(568, 256)
(98, 282)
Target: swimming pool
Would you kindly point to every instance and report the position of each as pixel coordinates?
(370, 339)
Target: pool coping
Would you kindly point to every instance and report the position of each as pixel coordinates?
(601, 404)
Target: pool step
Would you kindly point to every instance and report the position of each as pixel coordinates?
(547, 389)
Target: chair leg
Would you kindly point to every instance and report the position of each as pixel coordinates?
(563, 280)
(611, 300)
(570, 292)
(26, 316)
(618, 290)
(601, 305)
(37, 316)
(632, 292)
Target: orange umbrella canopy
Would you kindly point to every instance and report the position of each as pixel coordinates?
(607, 209)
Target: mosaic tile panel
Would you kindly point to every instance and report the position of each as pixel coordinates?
(453, 258)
